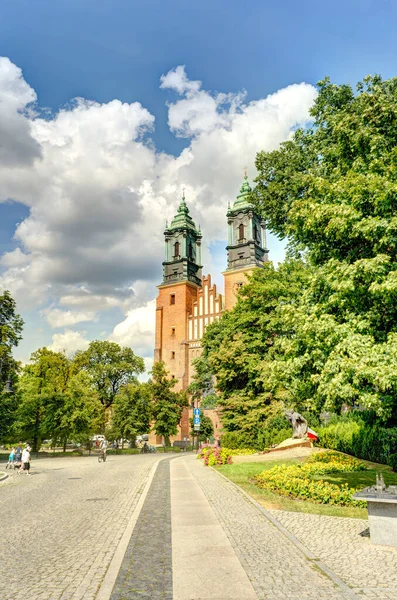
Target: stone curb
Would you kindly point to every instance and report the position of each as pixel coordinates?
(305, 551)
(3, 475)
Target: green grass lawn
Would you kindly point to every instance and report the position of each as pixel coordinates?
(241, 474)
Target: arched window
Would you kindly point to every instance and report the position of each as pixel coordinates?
(256, 237)
(176, 249)
(190, 251)
(240, 232)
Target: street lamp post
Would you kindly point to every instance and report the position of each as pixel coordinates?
(8, 386)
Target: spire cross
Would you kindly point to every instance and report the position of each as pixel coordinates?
(245, 171)
(183, 192)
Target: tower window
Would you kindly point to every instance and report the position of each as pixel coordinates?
(176, 250)
(241, 232)
(255, 232)
(172, 330)
(172, 298)
(172, 355)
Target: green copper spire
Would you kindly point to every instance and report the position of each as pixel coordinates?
(243, 197)
(182, 219)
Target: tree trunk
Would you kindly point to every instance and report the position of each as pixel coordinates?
(64, 444)
(167, 441)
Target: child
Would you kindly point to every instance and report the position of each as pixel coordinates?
(11, 459)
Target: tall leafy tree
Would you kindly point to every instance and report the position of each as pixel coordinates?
(331, 190)
(202, 387)
(206, 428)
(167, 405)
(109, 367)
(11, 325)
(41, 391)
(131, 410)
(241, 348)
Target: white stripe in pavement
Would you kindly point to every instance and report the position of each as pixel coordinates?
(204, 563)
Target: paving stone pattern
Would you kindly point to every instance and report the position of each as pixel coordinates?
(61, 525)
(277, 569)
(345, 547)
(146, 571)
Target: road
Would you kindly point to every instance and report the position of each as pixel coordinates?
(62, 524)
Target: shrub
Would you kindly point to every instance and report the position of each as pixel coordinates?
(339, 436)
(215, 456)
(239, 451)
(235, 439)
(393, 462)
(294, 481)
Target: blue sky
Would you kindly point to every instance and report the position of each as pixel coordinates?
(109, 51)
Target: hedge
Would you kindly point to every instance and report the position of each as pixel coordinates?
(374, 443)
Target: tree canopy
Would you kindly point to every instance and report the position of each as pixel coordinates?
(167, 405)
(109, 367)
(319, 331)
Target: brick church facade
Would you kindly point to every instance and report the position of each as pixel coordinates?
(188, 301)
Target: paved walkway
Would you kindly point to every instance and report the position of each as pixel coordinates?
(168, 528)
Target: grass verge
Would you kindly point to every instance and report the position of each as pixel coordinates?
(242, 473)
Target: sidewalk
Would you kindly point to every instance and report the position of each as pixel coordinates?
(197, 536)
(225, 548)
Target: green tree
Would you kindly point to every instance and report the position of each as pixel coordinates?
(206, 428)
(241, 347)
(202, 385)
(167, 405)
(11, 325)
(41, 390)
(109, 367)
(131, 411)
(331, 190)
(75, 413)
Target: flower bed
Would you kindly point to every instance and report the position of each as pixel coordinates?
(213, 455)
(295, 481)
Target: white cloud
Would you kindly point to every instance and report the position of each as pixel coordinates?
(62, 318)
(177, 79)
(99, 194)
(69, 342)
(137, 330)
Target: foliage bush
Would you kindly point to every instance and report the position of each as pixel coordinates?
(239, 451)
(124, 451)
(339, 436)
(295, 481)
(393, 462)
(373, 443)
(215, 456)
(235, 440)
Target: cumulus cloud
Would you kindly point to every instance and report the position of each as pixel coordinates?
(17, 145)
(137, 329)
(69, 342)
(62, 318)
(99, 192)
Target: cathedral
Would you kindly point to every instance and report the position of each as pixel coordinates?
(187, 301)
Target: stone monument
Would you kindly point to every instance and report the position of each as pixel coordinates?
(299, 424)
(382, 511)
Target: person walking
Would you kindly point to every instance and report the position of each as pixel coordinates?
(25, 468)
(18, 453)
(104, 447)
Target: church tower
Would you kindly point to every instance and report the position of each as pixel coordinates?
(182, 279)
(246, 247)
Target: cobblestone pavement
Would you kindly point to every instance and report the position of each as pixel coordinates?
(277, 569)
(146, 571)
(61, 525)
(344, 545)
